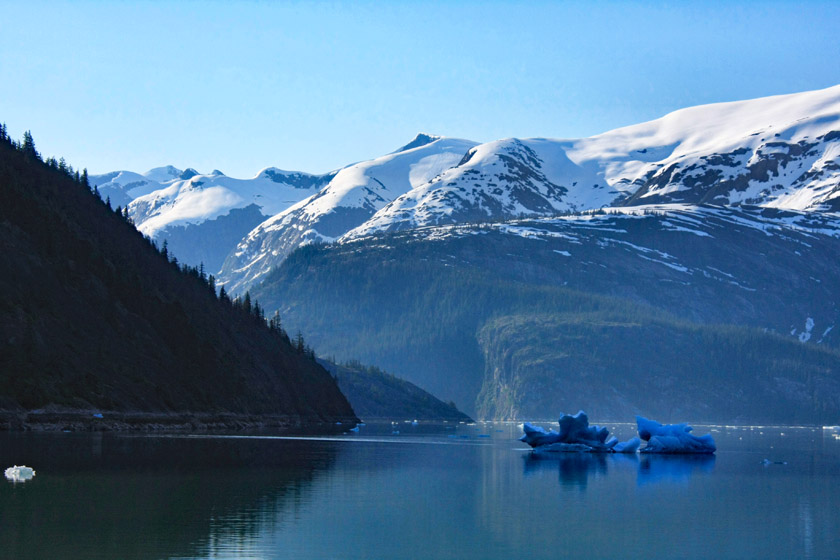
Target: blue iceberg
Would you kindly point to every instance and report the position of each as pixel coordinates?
(672, 438)
(576, 435)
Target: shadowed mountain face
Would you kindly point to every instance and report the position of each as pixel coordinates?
(704, 313)
(92, 316)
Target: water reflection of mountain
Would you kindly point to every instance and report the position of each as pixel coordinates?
(575, 469)
(149, 497)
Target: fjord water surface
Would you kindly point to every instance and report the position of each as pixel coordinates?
(448, 491)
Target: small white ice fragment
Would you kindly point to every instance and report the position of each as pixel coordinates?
(20, 473)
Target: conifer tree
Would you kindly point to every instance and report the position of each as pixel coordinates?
(274, 322)
(28, 146)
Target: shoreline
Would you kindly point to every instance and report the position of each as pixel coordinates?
(147, 422)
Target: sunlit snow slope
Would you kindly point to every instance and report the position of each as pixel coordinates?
(355, 194)
(780, 151)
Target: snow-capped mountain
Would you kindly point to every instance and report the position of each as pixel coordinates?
(121, 187)
(780, 151)
(350, 198)
(499, 180)
(194, 198)
(203, 216)
(167, 196)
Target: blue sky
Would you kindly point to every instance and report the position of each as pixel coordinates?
(313, 86)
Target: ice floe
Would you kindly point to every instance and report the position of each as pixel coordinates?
(576, 435)
(672, 438)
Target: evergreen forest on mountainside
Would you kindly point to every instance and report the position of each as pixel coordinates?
(504, 348)
(96, 319)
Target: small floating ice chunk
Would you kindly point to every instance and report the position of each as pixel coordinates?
(630, 446)
(536, 436)
(672, 438)
(20, 473)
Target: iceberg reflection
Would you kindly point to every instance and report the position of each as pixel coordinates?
(656, 469)
(573, 469)
(576, 469)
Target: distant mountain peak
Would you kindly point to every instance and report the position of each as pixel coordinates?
(420, 140)
(164, 173)
(187, 174)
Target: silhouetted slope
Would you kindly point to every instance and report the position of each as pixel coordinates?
(92, 316)
(376, 394)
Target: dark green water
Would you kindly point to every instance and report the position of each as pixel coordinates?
(428, 492)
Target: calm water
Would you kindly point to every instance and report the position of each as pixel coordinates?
(429, 492)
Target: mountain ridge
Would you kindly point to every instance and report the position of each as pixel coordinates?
(780, 151)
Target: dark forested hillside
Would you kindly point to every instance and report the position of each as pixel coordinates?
(378, 395)
(93, 317)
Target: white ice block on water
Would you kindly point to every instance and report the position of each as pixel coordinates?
(20, 473)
